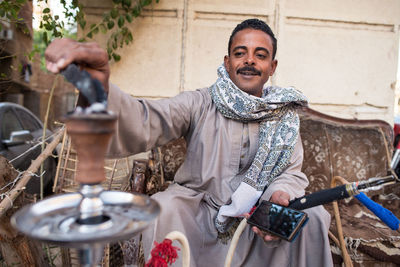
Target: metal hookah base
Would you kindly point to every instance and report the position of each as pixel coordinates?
(57, 220)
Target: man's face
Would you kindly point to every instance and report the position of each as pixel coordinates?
(250, 62)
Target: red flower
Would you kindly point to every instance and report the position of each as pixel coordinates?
(156, 261)
(162, 254)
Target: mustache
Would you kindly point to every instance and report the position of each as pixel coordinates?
(249, 69)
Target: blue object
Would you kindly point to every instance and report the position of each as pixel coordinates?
(382, 213)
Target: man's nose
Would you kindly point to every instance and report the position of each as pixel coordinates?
(250, 60)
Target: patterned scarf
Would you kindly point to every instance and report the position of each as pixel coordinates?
(278, 132)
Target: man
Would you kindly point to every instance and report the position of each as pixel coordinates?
(243, 145)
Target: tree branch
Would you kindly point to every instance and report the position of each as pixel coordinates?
(7, 202)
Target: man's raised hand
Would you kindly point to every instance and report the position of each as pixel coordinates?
(89, 56)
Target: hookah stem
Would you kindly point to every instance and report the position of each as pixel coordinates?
(339, 192)
(348, 190)
(321, 197)
(396, 157)
(377, 183)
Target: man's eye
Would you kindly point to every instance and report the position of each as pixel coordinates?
(261, 56)
(238, 54)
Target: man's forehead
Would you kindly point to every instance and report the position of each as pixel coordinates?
(251, 33)
(253, 37)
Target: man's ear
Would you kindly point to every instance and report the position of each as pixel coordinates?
(274, 64)
(226, 63)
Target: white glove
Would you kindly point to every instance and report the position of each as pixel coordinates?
(243, 199)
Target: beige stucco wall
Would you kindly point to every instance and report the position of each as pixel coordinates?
(342, 54)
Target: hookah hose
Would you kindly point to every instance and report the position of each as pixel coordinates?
(348, 190)
(382, 213)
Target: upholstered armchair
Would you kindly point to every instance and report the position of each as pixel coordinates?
(352, 149)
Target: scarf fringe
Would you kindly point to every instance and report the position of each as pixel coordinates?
(225, 237)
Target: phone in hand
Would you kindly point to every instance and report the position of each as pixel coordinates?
(278, 220)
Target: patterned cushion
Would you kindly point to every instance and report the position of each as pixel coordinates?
(356, 151)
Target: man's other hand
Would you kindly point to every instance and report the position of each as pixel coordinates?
(281, 198)
(89, 56)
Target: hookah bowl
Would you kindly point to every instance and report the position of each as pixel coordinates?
(92, 217)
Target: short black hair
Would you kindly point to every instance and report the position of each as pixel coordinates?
(257, 25)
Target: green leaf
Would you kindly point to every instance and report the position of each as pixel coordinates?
(128, 18)
(95, 30)
(2, 12)
(103, 28)
(121, 21)
(82, 23)
(114, 13)
(21, 1)
(31, 54)
(56, 17)
(90, 35)
(146, 2)
(114, 45)
(136, 11)
(14, 12)
(127, 2)
(124, 30)
(129, 37)
(106, 16)
(44, 38)
(48, 26)
(116, 1)
(116, 57)
(46, 10)
(110, 24)
(92, 26)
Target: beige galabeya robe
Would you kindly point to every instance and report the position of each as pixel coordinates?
(219, 151)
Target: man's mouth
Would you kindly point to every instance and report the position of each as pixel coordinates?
(248, 71)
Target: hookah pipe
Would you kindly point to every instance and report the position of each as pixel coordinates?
(92, 217)
(396, 157)
(352, 189)
(329, 195)
(356, 189)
